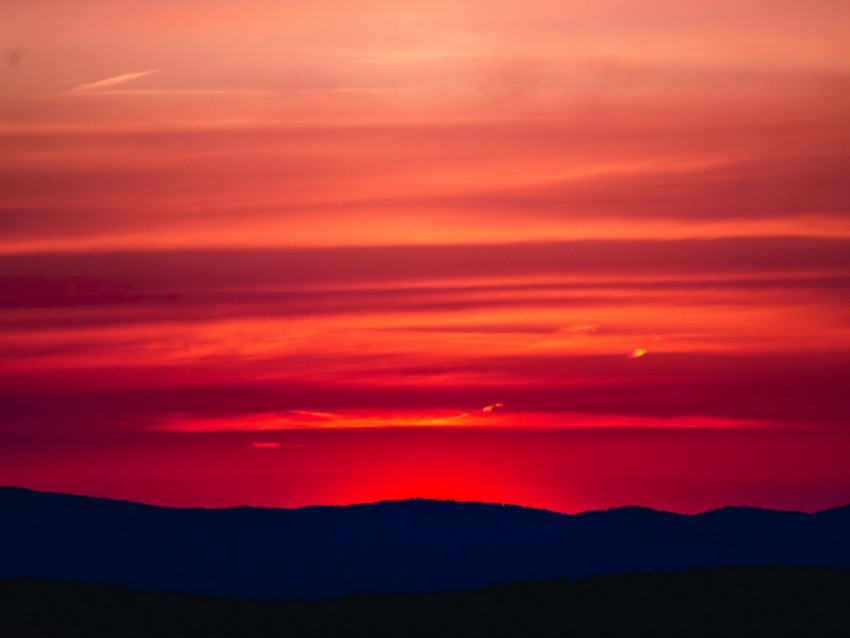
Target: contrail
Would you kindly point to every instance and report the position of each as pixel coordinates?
(108, 82)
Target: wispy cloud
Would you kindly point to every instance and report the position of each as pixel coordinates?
(93, 87)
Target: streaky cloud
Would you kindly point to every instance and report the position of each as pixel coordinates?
(107, 83)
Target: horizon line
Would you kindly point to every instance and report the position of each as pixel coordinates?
(418, 498)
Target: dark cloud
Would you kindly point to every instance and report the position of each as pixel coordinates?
(800, 390)
(768, 188)
(211, 269)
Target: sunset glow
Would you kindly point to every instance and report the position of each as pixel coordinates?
(567, 255)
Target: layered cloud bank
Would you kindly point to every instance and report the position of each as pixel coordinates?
(567, 256)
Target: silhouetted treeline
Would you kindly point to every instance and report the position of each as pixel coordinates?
(753, 601)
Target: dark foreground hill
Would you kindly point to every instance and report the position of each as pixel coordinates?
(728, 602)
(404, 546)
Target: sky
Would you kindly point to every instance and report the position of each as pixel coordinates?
(563, 255)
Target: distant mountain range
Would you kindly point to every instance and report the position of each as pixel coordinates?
(399, 546)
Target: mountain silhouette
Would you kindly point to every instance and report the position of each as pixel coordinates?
(395, 546)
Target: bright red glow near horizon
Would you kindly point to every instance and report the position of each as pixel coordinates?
(567, 255)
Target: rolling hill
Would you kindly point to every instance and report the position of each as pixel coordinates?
(397, 546)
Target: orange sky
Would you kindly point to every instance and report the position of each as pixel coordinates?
(287, 253)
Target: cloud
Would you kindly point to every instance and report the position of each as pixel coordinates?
(491, 407)
(206, 269)
(801, 390)
(93, 87)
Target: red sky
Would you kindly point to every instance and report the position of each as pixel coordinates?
(568, 255)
